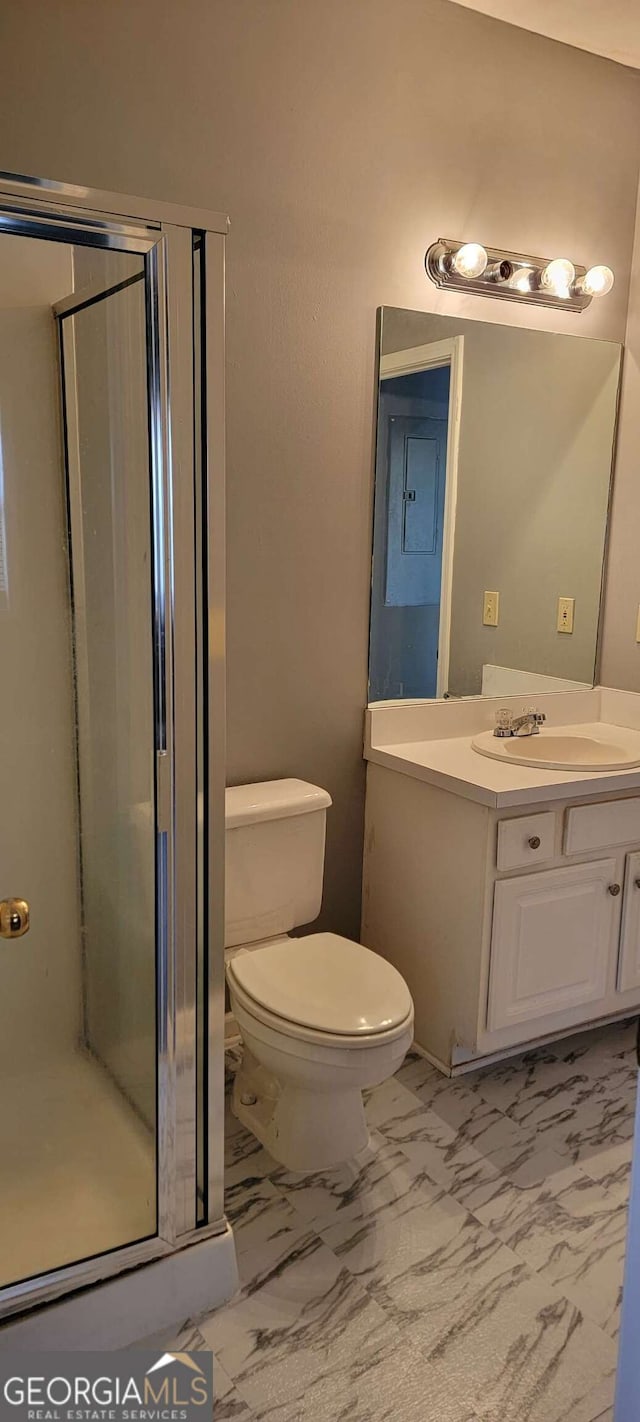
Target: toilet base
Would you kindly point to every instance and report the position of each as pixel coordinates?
(303, 1130)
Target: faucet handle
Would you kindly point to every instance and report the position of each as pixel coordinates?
(503, 718)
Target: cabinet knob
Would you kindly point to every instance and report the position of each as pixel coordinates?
(614, 889)
(534, 842)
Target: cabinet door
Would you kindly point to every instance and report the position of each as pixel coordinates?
(552, 941)
(629, 965)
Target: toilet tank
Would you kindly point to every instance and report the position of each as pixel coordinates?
(275, 834)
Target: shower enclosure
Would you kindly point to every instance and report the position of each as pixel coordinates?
(112, 745)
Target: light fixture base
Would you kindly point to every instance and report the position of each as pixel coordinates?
(496, 281)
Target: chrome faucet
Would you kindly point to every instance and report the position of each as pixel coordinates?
(528, 724)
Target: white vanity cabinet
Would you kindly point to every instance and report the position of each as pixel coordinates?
(509, 925)
(553, 939)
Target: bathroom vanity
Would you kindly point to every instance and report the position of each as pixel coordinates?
(507, 895)
(501, 872)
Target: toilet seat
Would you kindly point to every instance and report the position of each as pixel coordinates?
(322, 989)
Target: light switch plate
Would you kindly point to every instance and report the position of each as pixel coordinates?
(566, 606)
(490, 610)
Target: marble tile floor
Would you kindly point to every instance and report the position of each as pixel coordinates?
(466, 1267)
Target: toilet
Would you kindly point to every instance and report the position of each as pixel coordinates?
(321, 1018)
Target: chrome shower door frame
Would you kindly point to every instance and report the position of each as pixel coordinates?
(182, 414)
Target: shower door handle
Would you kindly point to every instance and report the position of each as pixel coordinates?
(14, 918)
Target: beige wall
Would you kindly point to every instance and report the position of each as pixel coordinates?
(342, 137)
(536, 446)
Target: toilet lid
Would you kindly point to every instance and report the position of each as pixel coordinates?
(325, 982)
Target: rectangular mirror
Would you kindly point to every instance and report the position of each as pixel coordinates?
(492, 479)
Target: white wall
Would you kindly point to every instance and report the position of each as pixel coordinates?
(620, 651)
(40, 990)
(342, 137)
(627, 1402)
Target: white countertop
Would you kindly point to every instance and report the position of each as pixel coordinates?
(451, 763)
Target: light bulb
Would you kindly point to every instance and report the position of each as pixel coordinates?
(522, 280)
(597, 282)
(558, 276)
(470, 260)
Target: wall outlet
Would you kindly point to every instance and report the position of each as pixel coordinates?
(490, 610)
(566, 606)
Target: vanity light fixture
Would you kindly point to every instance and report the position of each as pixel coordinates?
(486, 271)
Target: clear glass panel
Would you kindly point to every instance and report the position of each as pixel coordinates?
(78, 990)
(202, 1163)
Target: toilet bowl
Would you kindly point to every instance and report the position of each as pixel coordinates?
(321, 1018)
(312, 1046)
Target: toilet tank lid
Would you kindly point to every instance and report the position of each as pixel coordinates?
(272, 800)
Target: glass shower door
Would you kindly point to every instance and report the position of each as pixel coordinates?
(106, 417)
(78, 1015)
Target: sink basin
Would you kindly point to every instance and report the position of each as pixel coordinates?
(591, 747)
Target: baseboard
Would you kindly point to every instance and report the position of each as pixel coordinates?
(161, 1295)
(429, 1057)
(466, 1063)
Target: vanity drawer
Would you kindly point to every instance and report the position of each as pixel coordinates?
(526, 841)
(601, 826)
